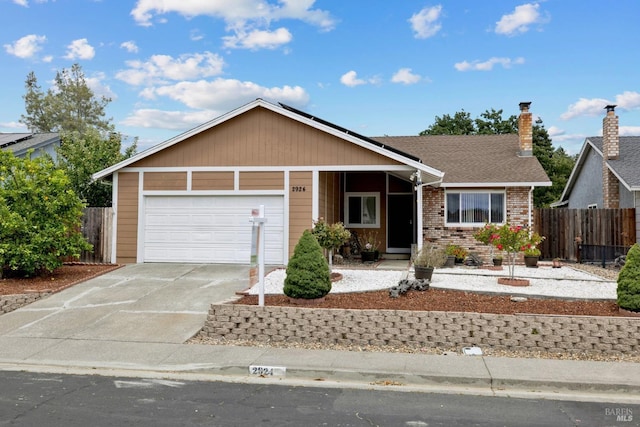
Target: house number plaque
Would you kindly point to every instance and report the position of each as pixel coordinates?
(298, 188)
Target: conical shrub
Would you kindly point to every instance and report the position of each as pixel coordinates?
(629, 281)
(308, 274)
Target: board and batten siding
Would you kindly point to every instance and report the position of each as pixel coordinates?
(261, 137)
(127, 215)
(300, 206)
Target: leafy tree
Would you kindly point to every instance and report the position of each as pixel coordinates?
(71, 106)
(459, 124)
(89, 141)
(491, 122)
(40, 216)
(628, 291)
(82, 155)
(555, 162)
(308, 274)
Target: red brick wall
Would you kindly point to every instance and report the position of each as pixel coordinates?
(434, 228)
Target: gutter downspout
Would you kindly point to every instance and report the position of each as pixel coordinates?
(531, 210)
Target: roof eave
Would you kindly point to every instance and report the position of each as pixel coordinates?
(495, 184)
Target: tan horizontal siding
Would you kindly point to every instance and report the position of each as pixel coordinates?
(261, 180)
(165, 181)
(212, 181)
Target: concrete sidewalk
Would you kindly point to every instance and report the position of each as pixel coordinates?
(135, 321)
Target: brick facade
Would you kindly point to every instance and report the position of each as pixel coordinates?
(525, 129)
(610, 151)
(434, 229)
(590, 334)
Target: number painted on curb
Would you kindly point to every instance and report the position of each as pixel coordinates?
(267, 371)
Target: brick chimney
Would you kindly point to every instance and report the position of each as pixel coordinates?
(610, 151)
(525, 130)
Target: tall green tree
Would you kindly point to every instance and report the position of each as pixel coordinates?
(89, 140)
(82, 155)
(459, 124)
(555, 162)
(69, 106)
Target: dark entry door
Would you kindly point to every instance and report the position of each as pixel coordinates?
(400, 222)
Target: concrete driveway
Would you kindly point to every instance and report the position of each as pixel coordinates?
(155, 303)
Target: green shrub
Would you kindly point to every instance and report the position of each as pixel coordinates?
(40, 216)
(308, 274)
(629, 281)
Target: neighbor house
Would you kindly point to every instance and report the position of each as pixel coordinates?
(189, 198)
(21, 143)
(607, 172)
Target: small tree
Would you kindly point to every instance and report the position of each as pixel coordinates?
(308, 274)
(629, 281)
(511, 239)
(330, 236)
(40, 217)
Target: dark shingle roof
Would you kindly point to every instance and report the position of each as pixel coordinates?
(627, 167)
(19, 143)
(473, 159)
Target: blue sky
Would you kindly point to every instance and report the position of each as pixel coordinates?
(377, 67)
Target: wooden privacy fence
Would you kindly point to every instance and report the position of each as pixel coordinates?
(97, 225)
(594, 227)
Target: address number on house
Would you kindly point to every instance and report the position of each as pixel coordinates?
(267, 371)
(298, 188)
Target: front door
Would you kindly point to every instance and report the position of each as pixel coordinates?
(400, 223)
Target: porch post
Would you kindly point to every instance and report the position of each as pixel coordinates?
(419, 211)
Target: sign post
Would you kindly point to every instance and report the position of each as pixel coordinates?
(257, 251)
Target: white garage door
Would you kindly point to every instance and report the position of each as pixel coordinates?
(210, 229)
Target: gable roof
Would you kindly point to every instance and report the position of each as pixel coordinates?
(626, 168)
(431, 173)
(474, 160)
(19, 143)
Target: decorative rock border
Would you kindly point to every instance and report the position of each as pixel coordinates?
(9, 303)
(591, 334)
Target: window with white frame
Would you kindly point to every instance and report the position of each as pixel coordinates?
(362, 210)
(475, 207)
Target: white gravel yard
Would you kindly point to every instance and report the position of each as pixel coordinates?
(565, 282)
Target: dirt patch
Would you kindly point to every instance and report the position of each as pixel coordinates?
(61, 278)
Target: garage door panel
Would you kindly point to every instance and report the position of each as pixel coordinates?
(210, 229)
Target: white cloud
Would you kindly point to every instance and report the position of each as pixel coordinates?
(236, 13)
(13, 126)
(130, 46)
(585, 107)
(555, 131)
(161, 68)
(629, 130)
(258, 39)
(80, 49)
(196, 35)
(21, 3)
(350, 78)
(26, 47)
(226, 94)
(627, 100)
(175, 120)
(405, 76)
(520, 20)
(425, 23)
(488, 65)
(97, 86)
